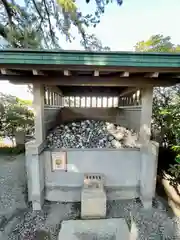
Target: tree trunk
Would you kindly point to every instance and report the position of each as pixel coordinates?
(173, 195)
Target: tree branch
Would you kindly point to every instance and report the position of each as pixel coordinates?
(49, 22)
(42, 19)
(8, 11)
(3, 32)
(37, 9)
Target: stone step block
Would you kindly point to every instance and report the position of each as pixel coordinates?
(109, 229)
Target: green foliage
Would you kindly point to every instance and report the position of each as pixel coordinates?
(12, 150)
(24, 102)
(42, 24)
(93, 44)
(15, 117)
(174, 171)
(157, 43)
(68, 5)
(166, 116)
(166, 103)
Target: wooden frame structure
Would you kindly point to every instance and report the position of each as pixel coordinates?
(55, 74)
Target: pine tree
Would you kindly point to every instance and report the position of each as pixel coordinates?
(42, 23)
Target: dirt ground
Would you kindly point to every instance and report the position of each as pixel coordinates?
(19, 222)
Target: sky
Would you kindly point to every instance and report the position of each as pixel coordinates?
(121, 28)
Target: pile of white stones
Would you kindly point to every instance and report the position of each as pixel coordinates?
(91, 134)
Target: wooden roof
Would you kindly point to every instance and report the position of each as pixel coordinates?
(79, 58)
(89, 69)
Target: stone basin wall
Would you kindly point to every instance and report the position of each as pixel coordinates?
(120, 166)
(121, 169)
(129, 172)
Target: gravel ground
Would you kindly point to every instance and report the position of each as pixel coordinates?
(19, 222)
(12, 184)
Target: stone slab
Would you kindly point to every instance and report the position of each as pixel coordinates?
(109, 229)
(93, 203)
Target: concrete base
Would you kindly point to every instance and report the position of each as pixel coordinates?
(110, 229)
(93, 203)
(73, 194)
(147, 203)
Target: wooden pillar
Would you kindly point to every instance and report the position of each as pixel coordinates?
(149, 150)
(148, 173)
(146, 114)
(37, 173)
(38, 105)
(35, 168)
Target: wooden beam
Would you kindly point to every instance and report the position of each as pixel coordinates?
(3, 71)
(67, 73)
(95, 91)
(128, 91)
(92, 81)
(37, 72)
(124, 74)
(146, 114)
(61, 67)
(38, 105)
(152, 75)
(7, 72)
(96, 73)
(91, 94)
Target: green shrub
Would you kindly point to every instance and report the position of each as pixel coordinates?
(174, 170)
(166, 116)
(12, 150)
